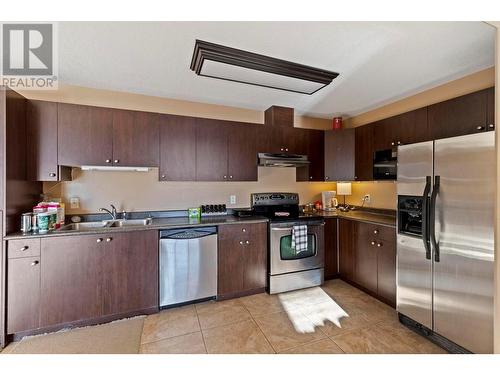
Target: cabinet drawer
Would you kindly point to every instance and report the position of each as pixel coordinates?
(23, 248)
(376, 232)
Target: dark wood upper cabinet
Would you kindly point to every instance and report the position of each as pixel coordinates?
(279, 116)
(466, 114)
(23, 308)
(364, 153)
(340, 155)
(85, 135)
(242, 259)
(242, 152)
(42, 140)
(135, 138)
(313, 140)
(71, 270)
(177, 148)
(130, 277)
(490, 115)
(331, 252)
(211, 150)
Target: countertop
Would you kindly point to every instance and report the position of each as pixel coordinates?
(385, 218)
(157, 224)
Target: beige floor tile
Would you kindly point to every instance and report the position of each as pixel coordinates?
(262, 304)
(214, 314)
(285, 330)
(9, 348)
(170, 323)
(325, 346)
(242, 337)
(192, 343)
(339, 288)
(362, 341)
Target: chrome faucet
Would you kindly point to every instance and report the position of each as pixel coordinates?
(112, 212)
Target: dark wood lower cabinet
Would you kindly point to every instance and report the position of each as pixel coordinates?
(367, 255)
(331, 253)
(242, 259)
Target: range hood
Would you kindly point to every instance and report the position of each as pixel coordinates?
(282, 160)
(113, 169)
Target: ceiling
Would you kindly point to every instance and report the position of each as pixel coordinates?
(378, 62)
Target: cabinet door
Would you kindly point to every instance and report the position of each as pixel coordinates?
(490, 115)
(346, 249)
(316, 154)
(230, 263)
(387, 270)
(177, 148)
(254, 254)
(242, 152)
(340, 155)
(365, 260)
(71, 272)
(135, 138)
(130, 272)
(330, 248)
(364, 153)
(23, 307)
(42, 140)
(459, 116)
(85, 135)
(211, 150)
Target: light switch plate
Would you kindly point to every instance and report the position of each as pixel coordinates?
(74, 202)
(232, 199)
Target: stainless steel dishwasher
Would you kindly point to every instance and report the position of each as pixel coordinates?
(188, 265)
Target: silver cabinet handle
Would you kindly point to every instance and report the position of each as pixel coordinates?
(230, 177)
(52, 174)
(399, 143)
(244, 230)
(108, 160)
(241, 242)
(24, 248)
(99, 240)
(375, 231)
(117, 161)
(35, 262)
(224, 177)
(373, 243)
(491, 126)
(109, 239)
(163, 176)
(247, 242)
(282, 149)
(286, 149)
(327, 178)
(480, 127)
(310, 177)
(379, 244)
(393, 143)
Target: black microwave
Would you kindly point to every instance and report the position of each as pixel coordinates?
(385, 165)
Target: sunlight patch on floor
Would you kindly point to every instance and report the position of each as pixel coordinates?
(311, 308)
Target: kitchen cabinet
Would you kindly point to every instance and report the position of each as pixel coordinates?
(85, 135)
(339, 150)
(363, 157)
(314, 149)
(365, 260)
(130, 276)
(331, 253)
(490, 107)
(177, 148)
(41, 124)
(346, 249)
(406, 128)
(242, 259)
(463, 115)
(283, 140)
(279, 116)
(135, 138)
(386, 270)
(23, 289)
(242, 152)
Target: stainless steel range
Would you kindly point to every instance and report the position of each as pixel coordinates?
(289, 269)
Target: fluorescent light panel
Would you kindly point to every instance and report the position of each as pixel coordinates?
(231, 64)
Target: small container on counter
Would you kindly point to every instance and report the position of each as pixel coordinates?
(44, 222)
(34, 222)
(26, 222)
(194, 213)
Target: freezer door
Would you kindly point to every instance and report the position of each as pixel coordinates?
(464, 217)
(414, 270)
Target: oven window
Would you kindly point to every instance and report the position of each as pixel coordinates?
(288, 253)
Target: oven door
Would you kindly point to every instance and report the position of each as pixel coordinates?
(283, 257)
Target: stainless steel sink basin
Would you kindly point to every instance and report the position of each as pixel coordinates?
(83, 226)
(129, 223)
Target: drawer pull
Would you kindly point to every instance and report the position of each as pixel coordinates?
(241, 242)
(35, 262)
(379, 245)
(480, 127)
(24, 248)
(247, 242)
(244, 230)
(373, 243)
(109, 239)
(375, 231)
(99, 240)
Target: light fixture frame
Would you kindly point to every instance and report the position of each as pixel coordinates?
(218, 53)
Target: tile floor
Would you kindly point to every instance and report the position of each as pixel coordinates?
(336, 318)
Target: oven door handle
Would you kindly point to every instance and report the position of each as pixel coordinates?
(291, 227)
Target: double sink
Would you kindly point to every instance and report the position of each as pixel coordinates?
(104, 224)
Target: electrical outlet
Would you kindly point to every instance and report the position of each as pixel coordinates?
(232, 199)
(74, 202)
(367, 198)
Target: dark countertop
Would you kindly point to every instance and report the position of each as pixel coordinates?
(386, 218)
(157, 224)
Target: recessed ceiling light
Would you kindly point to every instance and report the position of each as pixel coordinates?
(231, 64)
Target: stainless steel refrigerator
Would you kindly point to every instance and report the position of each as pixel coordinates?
(445, 240)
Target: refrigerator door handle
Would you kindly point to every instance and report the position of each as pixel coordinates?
(432, 217)
(425, 218)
